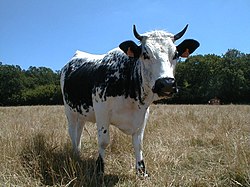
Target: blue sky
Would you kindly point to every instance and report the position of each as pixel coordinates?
(48, 32)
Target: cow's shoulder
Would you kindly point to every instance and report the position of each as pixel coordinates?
(115, 56)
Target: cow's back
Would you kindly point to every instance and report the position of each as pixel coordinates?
(112, 75)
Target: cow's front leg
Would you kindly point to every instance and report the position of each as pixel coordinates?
(140, 165)
(137, 143)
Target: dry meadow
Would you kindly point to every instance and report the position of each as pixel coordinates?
(184, 145)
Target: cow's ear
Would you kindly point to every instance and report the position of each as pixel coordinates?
(187, 47)
(131, 49)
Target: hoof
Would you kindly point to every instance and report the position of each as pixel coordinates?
(99, 165)
(100, 171)
(100, 179)
(141, 170)
(142, 174)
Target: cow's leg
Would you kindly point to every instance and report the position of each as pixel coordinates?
(102, 122)
(75, 127)
(137, 143)
(103, 141)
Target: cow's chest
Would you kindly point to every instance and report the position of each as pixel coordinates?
(125, 113)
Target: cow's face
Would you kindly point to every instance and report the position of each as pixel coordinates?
(159, 56)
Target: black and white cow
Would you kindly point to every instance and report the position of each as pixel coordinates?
(118, 87)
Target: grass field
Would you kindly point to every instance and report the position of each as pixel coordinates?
(194, 145)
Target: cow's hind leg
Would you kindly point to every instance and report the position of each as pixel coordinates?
(75, 127)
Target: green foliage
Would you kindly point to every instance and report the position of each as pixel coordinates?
(40, 76)
(201, 78)
(35, 86)
(48, 94)
(11, 84)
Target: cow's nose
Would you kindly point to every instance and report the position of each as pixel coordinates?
(165, 86)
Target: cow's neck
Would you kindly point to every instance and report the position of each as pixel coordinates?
(134, 87)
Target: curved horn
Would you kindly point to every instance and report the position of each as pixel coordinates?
(137, 35)
(180, 34)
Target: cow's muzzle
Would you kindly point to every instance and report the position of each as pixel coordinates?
(165, 87)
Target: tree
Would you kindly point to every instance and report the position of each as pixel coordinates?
(11, 84)
(40, 76)
(49, 94)
(34, 86)
(201, 78)
(234, 75)
(195, 78)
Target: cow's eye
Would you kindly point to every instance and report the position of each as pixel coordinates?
(176, 56)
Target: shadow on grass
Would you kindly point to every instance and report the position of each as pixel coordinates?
(55, 166)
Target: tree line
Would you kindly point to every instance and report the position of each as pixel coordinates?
(199, 78)
(203, 77)
(34, 86)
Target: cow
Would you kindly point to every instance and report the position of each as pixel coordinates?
(117, 88)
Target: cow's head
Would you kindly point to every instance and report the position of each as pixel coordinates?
(159, 55)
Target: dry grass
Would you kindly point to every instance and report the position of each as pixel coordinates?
(183, 146)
